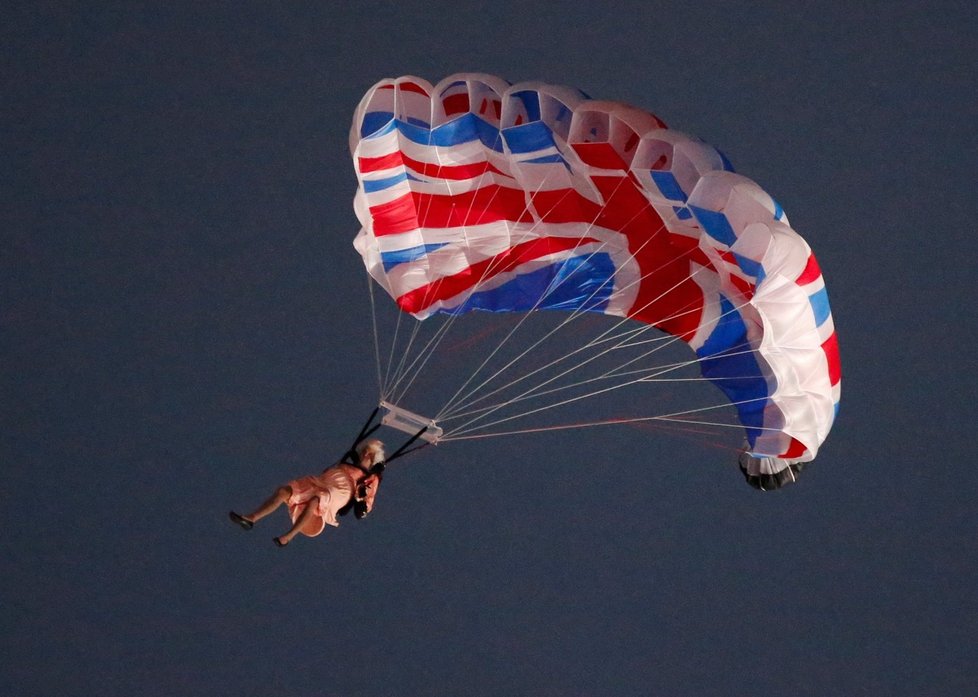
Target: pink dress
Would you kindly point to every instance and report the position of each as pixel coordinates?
(328, 492)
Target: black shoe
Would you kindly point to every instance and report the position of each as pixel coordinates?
(240, 520)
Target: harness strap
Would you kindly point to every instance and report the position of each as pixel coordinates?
(350, 457)
(401, 451)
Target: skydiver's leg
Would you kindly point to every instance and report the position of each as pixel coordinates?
(281, 495)
(307, 514)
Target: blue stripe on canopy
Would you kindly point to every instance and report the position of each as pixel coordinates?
(727, 360)
(581, 282)
(392, 259)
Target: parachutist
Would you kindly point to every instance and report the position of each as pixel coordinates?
(315, 501)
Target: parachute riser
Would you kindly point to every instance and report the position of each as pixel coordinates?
(402, 420)
(367, 430)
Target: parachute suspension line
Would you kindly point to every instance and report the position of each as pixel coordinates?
(664, 342)
(716, 293)
(392, 378)
(575, 314)
(454, 435)
(373, 315)
(401, 373)
(525, 315)
(450, 404)
(397, 327)
(390, 356)
(554, 283)
(600, 339)
(535, 391)
(556, 377)
(747, 351)
(650, 374)
(580, 349)
(426, 353)
(456, 403)
(439, 336)
(653, 340)
(492, 266)
(469, 426)
(672, 418)
(396, 377)
(443, 329)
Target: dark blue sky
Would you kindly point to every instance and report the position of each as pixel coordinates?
(185, 324)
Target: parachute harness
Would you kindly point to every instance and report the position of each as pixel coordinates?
(369, 427)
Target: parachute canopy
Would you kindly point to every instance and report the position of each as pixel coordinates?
(475, 194)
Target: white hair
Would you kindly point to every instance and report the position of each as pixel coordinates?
(375, 448)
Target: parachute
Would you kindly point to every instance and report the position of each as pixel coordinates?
(478, 195)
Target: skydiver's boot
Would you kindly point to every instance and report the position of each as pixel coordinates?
(240, 520)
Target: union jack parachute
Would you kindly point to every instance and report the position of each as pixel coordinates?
(475, 194)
